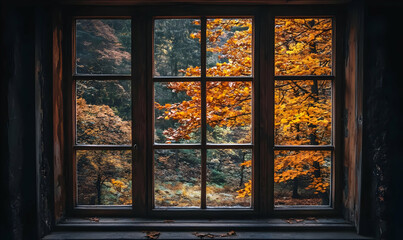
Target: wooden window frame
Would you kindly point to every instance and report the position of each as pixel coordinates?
(262, 114)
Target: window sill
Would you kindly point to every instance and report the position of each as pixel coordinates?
(133, 224)
(275, 228)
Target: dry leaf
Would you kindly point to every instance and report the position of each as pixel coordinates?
(231, 233)
(169, 221)
(152, 234)
(202, 235)
(94, 219)
(311, 218)
(290, 220)
(299, 220)
(199, 234)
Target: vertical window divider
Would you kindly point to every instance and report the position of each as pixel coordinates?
(71, 106)
(270, 35)
(139, 110)
(203, 83)
(133, 95)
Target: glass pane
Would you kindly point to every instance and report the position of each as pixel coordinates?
(103, 46)
(302, 177)
(229, 178)
(229, 47)
(177, 47)
(303, 112)
(229, 112)
(103, 112)
(104, 177)
(177, 112)
(303, 46)
(177, 178)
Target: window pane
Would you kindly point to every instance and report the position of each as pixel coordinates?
(229, 178)
(229, 112)
(229, 47)
(104, 177)
(303, 112)
(302, 177)
(103, 46)
(177, 178)
(303, 46)
(177, 112)
(177, 47)
(103, 112)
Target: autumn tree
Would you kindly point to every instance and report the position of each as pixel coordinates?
(103, 111)
(302, 108)
(103, 46)
(104, 177)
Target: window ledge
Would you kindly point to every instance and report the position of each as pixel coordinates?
(133, 224)
(191, 235)
(274, 228)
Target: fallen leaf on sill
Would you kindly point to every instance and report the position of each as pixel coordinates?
(290, 220)
(152, 234)
(311, 218)
(94, 219)
(299, 220)
(231, 233)
(202, 235)
(169, 221)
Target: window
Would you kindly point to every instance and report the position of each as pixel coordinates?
(226, 112)
(203, 112)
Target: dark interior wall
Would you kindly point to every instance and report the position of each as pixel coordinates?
(26, 138)
(43, 118)
(18, 122)
(383, 119)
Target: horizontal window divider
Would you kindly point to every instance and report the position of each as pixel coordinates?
(176, 79)
(104, 211)
(108, 15)
(229, 146)
(111, 207)
(305, 77)
(229, 79)
(199, 146)
(103, 147)
(303, 148)
(203, 209)
(104, 77)
(177, 146)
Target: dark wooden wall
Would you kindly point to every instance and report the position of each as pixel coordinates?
(383, 118)
(26, 198)
(373, 197)
(372, 118)
(18, 122)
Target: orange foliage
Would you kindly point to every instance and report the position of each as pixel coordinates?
(104, 177)
(302, 108)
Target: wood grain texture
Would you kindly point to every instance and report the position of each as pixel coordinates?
(58, 119)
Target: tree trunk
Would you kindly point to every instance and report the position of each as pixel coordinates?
(98, 186)
(295, 184)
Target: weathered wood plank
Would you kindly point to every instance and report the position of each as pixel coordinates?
(217, 234)
(58, 119)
